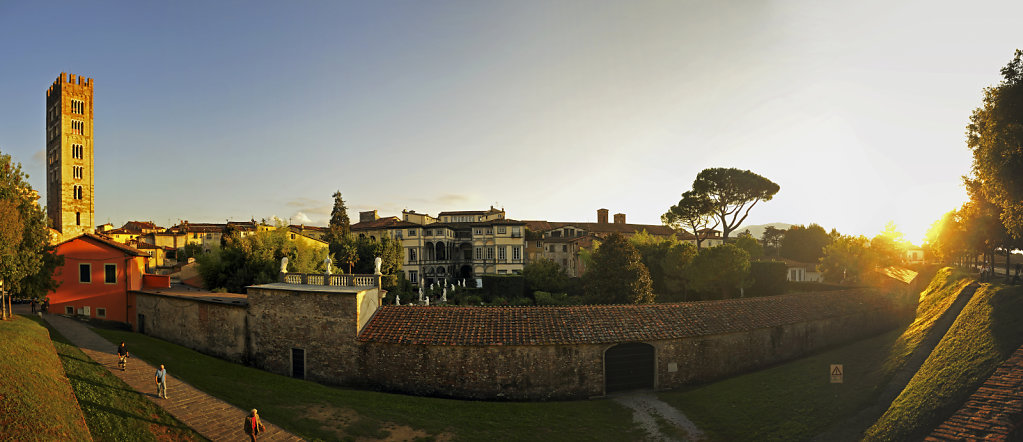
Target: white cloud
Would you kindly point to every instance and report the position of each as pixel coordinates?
(300, 218)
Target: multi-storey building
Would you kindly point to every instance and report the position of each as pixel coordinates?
(561, 242)
(70, 202)
(453, 245)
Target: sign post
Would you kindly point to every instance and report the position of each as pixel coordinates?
(837, 373)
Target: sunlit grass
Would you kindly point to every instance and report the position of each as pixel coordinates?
(796, 401)
(113, 410)
(36, 402)
(988, 330)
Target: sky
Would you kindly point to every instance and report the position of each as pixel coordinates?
(214, 111)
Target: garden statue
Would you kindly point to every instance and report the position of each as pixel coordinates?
(284, 264)
(376, 265)
(420, 293)
(326, 263)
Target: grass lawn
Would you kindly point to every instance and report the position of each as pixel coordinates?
(988, 330)
(112, 409)
(796, 401)
(315, 411)
(36, 402)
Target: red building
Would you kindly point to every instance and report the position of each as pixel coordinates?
(96, 278)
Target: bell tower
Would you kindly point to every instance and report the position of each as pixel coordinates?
(69, 175)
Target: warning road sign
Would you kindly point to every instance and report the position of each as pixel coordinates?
(837, 373)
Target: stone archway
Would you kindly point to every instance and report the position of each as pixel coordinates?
(629, 366)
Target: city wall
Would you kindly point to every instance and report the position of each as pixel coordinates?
(324, 325)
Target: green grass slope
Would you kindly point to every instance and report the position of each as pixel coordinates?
(319, 412)
(987, 331)
(36, 401)
(113, 411)
(796, 401)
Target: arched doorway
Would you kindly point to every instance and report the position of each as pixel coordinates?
(629, 366)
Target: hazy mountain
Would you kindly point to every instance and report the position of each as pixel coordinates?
(758, 230)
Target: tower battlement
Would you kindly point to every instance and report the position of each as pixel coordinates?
(70, 79)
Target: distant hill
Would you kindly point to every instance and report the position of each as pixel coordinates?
(758, 230)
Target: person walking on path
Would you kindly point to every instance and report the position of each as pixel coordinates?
(122, 355)
(253, 425)
(161, 382)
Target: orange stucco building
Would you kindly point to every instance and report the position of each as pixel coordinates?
(97, 278)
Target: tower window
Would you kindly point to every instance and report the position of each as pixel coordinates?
(78, 218)
(77, 127)
(77, 107)
(77, 151)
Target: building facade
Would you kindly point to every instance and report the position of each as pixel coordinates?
(70, 202)
(96, 277)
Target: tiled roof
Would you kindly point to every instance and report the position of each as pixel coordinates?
(381, 223)
(139, 226)
(596, 324)
(653, 229)
(994, 411)
(109, 243)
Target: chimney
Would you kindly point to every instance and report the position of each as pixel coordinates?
(619, 218)
(602, 216)
(370, 215)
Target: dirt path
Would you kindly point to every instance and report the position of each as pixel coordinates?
(658, 418)
(853, 428)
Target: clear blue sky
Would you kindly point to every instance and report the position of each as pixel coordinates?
(209, 111)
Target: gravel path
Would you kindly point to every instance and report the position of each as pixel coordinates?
(645, 410)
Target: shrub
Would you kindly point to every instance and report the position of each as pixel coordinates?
(768, 278)
(504, 286)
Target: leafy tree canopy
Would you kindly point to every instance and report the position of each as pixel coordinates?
(544, 275)
(693, 213)
(733, 193)
(618, 275)
(25, 266)
(804, 244)
(995, 136)
(720, 272)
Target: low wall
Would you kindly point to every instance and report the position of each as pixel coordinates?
(214, 328)
(576, 371)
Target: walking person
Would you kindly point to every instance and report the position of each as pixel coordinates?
(122, 355)
(253, 425)
(161, 382)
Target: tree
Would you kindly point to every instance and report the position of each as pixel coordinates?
(666, 259)
(946, 239)
(544, 275)
(695, 212)
(618, 275)
(746, 242)
(771, 239)
(719, 272)
(255, 259)
(733, 193)
(340, 225)
(24, 237)
(995, 135)
(847, 259)
(804, 244)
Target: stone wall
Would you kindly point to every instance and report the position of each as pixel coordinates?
(214, 328)
(512, 372)
(544, 372)
(320, 320)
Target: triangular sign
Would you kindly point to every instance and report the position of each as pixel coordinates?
(837, 370)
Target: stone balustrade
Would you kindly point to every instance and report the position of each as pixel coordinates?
(342, 280)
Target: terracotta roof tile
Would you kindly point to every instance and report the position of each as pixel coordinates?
(594, 324)
(994, 411)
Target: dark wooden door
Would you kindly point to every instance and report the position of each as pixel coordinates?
(629, 366)
(298, 363)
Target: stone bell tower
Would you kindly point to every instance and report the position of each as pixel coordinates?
(70, 204)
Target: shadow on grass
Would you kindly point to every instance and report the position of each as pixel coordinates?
(1006, 321)
(124, 414)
